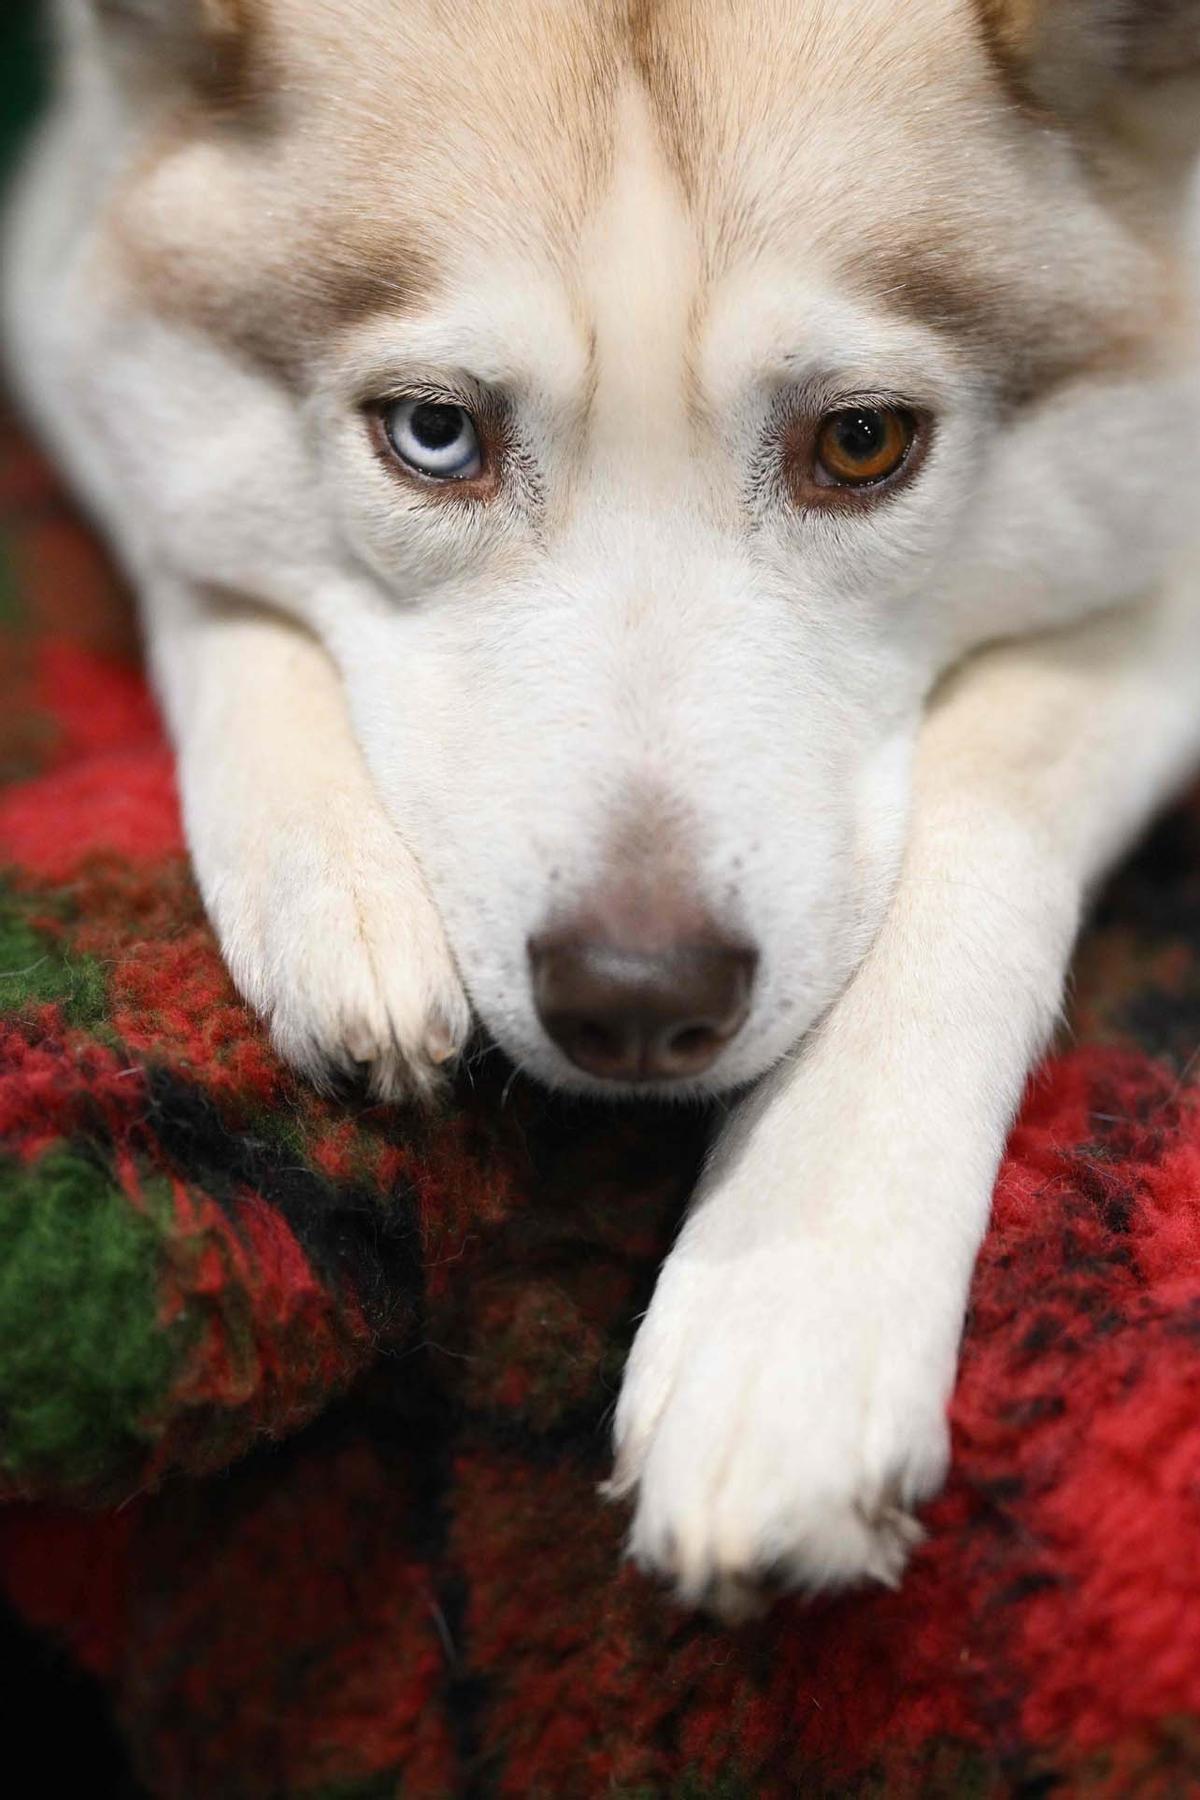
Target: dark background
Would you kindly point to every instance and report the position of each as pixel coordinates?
(55, 1722)
(21, 71)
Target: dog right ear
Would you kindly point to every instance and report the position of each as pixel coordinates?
(1082, 58)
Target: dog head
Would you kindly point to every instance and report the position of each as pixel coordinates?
(645, 404)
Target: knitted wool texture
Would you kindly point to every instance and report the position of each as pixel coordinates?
(304, 1403)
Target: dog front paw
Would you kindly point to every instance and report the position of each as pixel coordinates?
(781, 1418)
(331, 935)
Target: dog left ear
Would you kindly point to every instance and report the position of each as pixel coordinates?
(1083, 58)
(201, 41)
(204, 18)
(219, 15)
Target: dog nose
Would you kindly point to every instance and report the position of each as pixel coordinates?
(641, 1015)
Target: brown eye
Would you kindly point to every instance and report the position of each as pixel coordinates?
(862, 445)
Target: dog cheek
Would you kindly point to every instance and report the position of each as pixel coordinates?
(882, 801)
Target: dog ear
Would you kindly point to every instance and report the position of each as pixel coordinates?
(202, 41)
(1082, 57)
(176, 19)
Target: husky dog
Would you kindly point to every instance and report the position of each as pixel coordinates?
(672, 528)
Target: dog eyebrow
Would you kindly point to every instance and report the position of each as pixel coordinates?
(925, 289)
(241, 302)
(935, 290)
(369, 280)
(1023, 348)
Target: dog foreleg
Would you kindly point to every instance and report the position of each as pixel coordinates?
(322, 914)
(785, 1402)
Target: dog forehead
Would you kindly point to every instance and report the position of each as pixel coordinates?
(489, 132)
(830, 131)
(785, 94)
(474, 113)
(402, 147)
(505, 111)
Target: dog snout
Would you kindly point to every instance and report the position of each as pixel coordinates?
(624, 1012)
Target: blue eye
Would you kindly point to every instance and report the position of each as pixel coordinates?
(436, 440)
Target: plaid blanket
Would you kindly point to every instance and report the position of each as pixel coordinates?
(304, 1403)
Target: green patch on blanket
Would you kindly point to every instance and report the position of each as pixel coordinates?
(85, 1359)
(37, 969)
